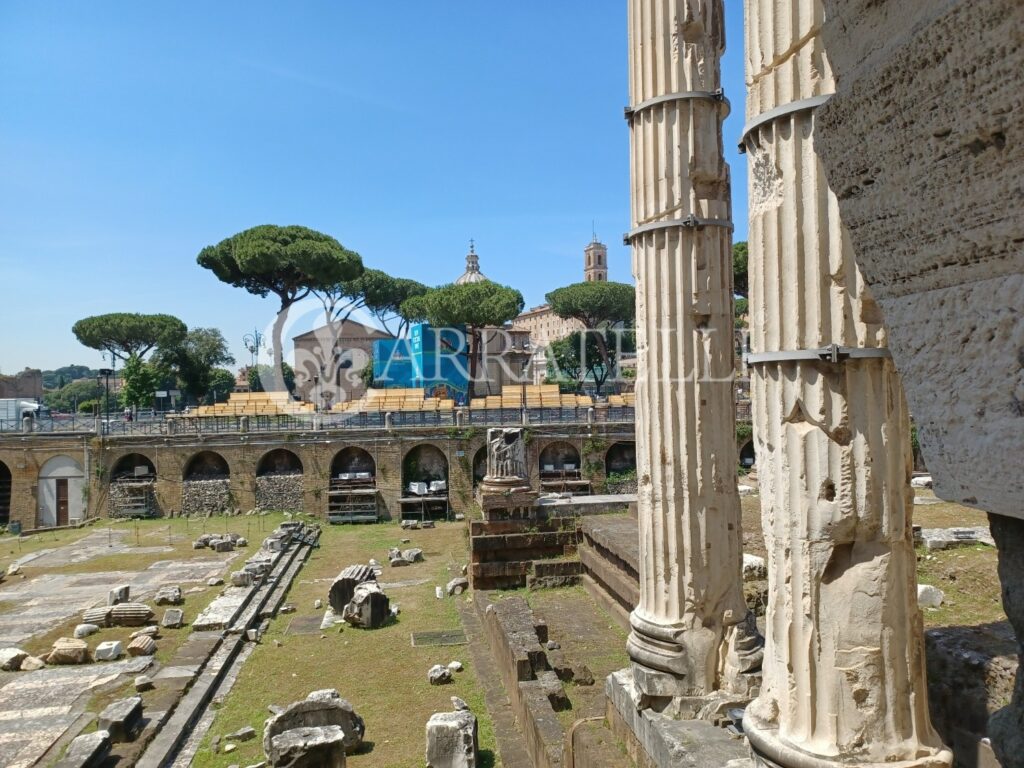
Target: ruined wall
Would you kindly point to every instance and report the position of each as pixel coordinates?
(923, 144)
(25, 456)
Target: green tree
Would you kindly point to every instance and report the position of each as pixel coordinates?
(71, 395)
(123, 334)
(221, 385)
(473, 305)
(740, 284)
(65, 374)
(599, 306)
(195, 358)
(289, 262)
(261, 374)
(377, 292)
(578, 357)
(140, 380)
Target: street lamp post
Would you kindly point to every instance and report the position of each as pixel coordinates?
(254, 343)
(106, 373)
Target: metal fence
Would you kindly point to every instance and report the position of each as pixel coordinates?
(196, 425)
(193, 425)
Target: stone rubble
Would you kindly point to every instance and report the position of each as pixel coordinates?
(457, 586)
(279, 492)
(169, 595)
(439, 675)
(11, 659)
(324, 708)
(316, 747)
(204, 498)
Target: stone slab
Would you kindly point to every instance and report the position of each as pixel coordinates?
(664, 742)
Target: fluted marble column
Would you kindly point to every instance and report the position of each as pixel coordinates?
(844, 680)
(691, 633)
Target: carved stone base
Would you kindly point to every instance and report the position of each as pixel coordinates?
(771, 751)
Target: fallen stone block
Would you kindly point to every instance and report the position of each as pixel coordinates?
(345, 583)
(32, 663)
(90, 750)
(173, 618)
(369, 607)
(151, 631)
(119, 594)
(11, 659)
(319, 709)
(241, 541)
(109, 650)
(170, 595)
(122, 719)
(413, 555)
(215, 582)
(457, 586)
(929, 596)
(242, 734)
(398, 562)
(143, 683)
(130, 615)
(68, 650)
(754, 568)
(82, 631)
(98, 616)
(242, 579)
(452, 740)
(317, 747)
(439, 675)
(427, 524)
(144, 645)
(222, 545)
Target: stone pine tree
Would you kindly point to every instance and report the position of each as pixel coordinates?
(123, 334)
(473, 305)
(599, 306)
(288, 262)
(130, 337)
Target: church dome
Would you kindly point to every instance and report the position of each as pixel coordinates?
(472, 273)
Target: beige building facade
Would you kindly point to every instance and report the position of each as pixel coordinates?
(329, 360)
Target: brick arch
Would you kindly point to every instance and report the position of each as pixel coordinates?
(353, 458)
(279, 461)
(415, 469)
(557, 454)
(479, 465)
(206, 465)
(124, 466)
(6, 482)
(747, 454)
(620, 457)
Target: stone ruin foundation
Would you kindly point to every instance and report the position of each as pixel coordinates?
(202, 498)
(280, 491)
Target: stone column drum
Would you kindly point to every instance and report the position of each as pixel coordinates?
(691, 637)
(844, 680)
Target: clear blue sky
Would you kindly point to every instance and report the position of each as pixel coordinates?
(133, 134)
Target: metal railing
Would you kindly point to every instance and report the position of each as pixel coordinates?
(196, 425)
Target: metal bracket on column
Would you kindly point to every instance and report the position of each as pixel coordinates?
(803, 105)
(830, 354)
(679, 96)
(690, 222)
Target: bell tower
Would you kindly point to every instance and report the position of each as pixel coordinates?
(595, 263)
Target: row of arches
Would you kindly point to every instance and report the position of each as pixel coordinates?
(62, 479)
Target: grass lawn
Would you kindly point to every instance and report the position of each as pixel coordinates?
(379, 671)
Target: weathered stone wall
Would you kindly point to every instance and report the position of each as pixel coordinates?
(280, 492)
(201, 498)
(25, 455)
(923, 144)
